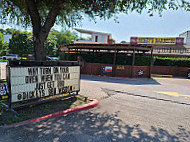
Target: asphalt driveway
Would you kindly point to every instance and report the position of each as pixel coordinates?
(155, 109)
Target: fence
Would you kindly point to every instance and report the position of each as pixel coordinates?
(171, 50)
(138, 71)
(117, 70)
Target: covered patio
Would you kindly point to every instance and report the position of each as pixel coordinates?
(125, 70)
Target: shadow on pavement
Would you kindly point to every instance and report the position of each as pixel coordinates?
(90, 127)
(132, 81)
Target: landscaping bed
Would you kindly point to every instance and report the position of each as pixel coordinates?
(7, 117)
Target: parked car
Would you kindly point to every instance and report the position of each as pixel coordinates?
(54, 58)
(11, 57)
(31, 57)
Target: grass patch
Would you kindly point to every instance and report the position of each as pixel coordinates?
(45, 106)
(6, 117)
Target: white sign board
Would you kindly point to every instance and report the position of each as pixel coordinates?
(36, 82)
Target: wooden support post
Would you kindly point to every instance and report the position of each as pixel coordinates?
(150, 67)
(133, 63)
(114, 58)
(67, 57)
(114, 63)
(75, 55)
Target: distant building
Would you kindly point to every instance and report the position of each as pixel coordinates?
(6, 37)
(186, 36)
(96, 37)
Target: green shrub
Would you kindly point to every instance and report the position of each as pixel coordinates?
(126, 59)
(66, 56)
(122, 59)
(142, 60)
(165, 61)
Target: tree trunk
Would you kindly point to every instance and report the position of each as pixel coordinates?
(40, 32)
(39, 49)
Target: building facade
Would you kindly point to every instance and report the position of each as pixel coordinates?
(186, 36)
(95, 37)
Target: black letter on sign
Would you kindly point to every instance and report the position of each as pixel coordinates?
(19, 96)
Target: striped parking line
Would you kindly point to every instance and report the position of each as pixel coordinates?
(175, 94)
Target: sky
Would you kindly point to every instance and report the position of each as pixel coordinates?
(171, 24)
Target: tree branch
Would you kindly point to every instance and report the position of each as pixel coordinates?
(51, 18)
(34, 15)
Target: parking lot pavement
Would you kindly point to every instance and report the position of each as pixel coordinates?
(168, 89)
(129, 110)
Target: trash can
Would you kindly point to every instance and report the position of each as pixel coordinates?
(188, 74)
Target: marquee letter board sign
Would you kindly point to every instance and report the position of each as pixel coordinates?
(33, 82)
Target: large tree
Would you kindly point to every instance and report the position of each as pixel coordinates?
(42, 14)
(64, 37)
(51, 45)
(20, 44)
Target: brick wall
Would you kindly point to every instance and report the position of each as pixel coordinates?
(170, 70)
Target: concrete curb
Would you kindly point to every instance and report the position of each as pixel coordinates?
(64, 112)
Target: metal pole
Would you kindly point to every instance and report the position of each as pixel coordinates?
(8, 85)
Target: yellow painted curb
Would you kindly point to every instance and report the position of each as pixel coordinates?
(161, 75)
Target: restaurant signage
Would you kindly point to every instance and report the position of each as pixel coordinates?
(157, 40)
